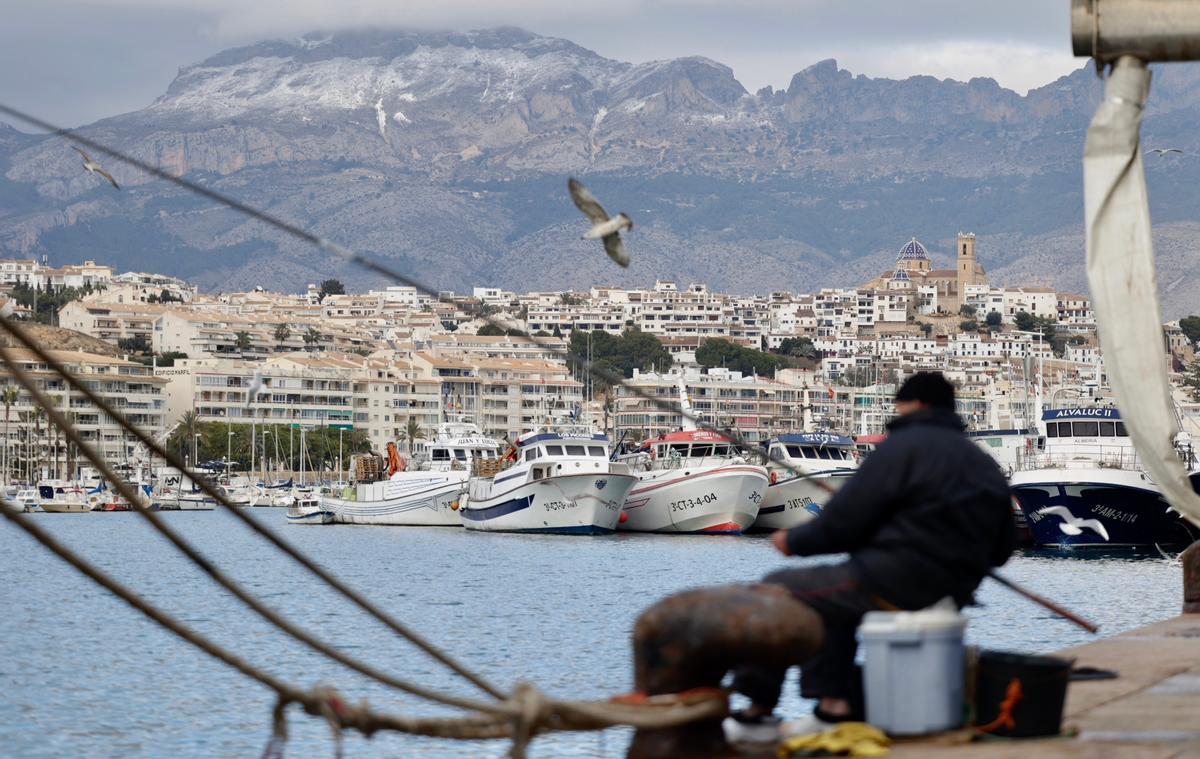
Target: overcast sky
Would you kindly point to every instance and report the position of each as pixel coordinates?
(74, 61)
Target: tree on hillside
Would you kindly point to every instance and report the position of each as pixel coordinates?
(970, 325)
(966, 309)
(994, 319)
(800, 347)
(241, 341)
(1025, 321)
(330, 287)
(311, 337)
(282, 333)
(1191, 327)
(492, 330)
(136, 344)
(717, 351)
(632, 349)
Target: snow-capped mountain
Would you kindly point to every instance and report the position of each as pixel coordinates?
(448, 153)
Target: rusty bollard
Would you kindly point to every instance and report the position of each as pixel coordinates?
(1191, 578)
(692, 639)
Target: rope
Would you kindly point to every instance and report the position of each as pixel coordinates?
(19, 332)
(129, 494)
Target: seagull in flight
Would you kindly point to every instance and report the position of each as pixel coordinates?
(95, 168)
(1163, 151)
(603, 227)
(1073, 525)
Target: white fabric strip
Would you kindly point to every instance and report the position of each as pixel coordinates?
(1120, 267)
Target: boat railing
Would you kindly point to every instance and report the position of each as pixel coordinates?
(1098, 457)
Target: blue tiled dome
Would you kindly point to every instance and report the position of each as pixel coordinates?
(901, 276)
(913, 250)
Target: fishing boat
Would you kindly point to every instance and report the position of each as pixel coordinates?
(694, 481)
(559, 480)
(307, 509)
(1087, 488)
(805, 470)
(420, 492)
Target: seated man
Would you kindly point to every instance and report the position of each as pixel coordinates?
(926, 517)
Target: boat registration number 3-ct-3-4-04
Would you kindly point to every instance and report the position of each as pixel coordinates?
(691, 503)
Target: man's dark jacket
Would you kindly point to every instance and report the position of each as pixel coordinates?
(926, 516)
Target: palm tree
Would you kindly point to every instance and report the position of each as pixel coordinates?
(311, 337)
(282, 333)
(412, 431)
(9, 396)
(241, 341)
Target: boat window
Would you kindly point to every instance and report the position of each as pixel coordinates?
(460, 454)
(1108, 429)
(823, 453)
(680, 448)
(702, 450)
(576, 450)
(795, 452)
(554, 450)
(531, 454)
(441, 454)
(720, 450)
(596, 450)
(1051, 429)
(537, 473)
(1085, 429)
(1121, 430)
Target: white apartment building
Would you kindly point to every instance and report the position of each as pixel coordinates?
(131, 387)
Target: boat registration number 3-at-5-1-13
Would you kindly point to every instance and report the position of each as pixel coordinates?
(691, 503)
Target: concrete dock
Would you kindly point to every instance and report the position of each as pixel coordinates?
(1151, 710)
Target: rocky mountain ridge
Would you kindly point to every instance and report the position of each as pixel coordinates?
(447, 153)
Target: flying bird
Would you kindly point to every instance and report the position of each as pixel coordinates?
(256, 383)
(95, 168)
(1073, 525)
(603, 227)
(8, 309)
(1163, 151)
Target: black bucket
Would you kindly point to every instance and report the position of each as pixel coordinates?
(1019, 696)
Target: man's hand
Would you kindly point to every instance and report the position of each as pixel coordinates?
(779, 540)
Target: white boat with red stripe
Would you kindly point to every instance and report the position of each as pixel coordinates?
(693, 481)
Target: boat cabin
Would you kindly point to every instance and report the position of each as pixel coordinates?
(810, 447)
(551, 452)
(689, 446)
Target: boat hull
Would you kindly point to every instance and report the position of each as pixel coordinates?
(793, 501)
(316, 516)
(1105, 508)
(427, 501)
(65, 507)
(573, 504)
(718, 500)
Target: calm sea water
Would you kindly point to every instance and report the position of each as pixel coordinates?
(81, 674)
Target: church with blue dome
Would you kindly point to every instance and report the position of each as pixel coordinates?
(914, 271)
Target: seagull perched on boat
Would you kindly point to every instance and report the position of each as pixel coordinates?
(1073, 525)
(603, 227)
(95, 168)
(256, 383)
(1163, 151)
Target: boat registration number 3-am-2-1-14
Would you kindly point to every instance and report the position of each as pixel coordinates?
(691, 503)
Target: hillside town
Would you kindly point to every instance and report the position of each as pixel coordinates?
(392, 363)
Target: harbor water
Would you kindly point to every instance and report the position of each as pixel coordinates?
(81, 674)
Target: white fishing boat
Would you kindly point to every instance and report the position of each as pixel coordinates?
(307, 509)
(694, 481)
(27, 499)
(805, 470)
(560, 481)
(1086, 487)
(423, 492)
